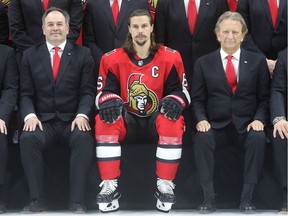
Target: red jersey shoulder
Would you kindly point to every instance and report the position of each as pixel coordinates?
(114, 56)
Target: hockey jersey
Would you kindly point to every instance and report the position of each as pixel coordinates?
(142, 83)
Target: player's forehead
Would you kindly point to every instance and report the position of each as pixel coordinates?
(139, 20)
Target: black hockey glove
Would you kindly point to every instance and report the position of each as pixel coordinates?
(110, 107)
(172, 106)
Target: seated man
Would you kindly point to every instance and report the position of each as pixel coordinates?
(8, 99)
(230, 99)
(57, 93)
(278, 109)
(145, 79)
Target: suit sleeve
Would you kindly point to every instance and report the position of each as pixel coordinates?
(76, 14)
(9, 90)
(17, 26)
(278, 100)
(27, 89)
(87, 86)
(262, 92)
(160, 22)
(248, 43)
(4, 26)
(198, 94)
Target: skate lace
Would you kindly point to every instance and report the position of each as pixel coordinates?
(165, 186)
(108, 186)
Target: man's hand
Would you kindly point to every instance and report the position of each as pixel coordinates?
(271, 65)
(82, 124)
(31, 124)
(172, 106)
(256, 125)
(3, 128)
(110, 107)
(203, 126)
(282, 128)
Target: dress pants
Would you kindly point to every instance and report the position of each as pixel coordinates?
(3, 158)
(57, 132)
(280, 159)
(253, 143)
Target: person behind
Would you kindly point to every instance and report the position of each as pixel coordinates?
(57, 93)
(105, 24)
(25, 21)
(9, 91)
(229, 97)
(268, 39)
(4, 25)
(278, 109)
(145, 79)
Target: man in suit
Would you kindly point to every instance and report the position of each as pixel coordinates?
(278, 109)
(56, 105)
(100, 32)
(268, 39)
(25, 21)
(4, 26)
(172, 28)
(232, 110)
(8, 99)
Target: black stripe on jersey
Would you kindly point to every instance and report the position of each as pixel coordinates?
(168, 146)
(112, 84)
(174, 86)
(108, 159)
(167, 161)
(141, 62)
(107, 144)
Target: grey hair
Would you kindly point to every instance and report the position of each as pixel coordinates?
(63, 12)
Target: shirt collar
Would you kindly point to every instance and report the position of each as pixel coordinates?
(61, 46)
(235, 55)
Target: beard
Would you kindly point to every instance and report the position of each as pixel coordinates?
(141, 43)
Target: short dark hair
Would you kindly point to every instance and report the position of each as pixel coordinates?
(49, 10)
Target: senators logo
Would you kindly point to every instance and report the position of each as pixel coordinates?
(141, 100)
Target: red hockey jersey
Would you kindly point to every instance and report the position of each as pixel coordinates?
(142, 83)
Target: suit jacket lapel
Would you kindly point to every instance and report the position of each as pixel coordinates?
(39, 5)
(243, 67)
(52, 3)
(202, 13)
(65, 60)
(282, 5)
(182, 15)
(122, 13)
(46, 61)
(108, 12)
(265, 6)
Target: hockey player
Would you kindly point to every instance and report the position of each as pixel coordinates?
(141, 87)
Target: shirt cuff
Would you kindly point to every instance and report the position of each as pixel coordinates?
(30, 115)
(83, 115)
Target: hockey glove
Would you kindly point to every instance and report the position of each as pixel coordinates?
(172, 106)
(110, 107)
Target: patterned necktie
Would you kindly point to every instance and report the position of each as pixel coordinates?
(45, 4)
(274, 11)
(56, 62)
(192, 15)
(232, 5)
(231, 74)
(115, 11)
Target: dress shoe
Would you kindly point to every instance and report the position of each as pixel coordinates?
(208, 206)
(77, 208)
(247, 207)
(283, 209)
(34, 206)
(2, 208)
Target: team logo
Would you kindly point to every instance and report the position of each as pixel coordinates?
(141, 100)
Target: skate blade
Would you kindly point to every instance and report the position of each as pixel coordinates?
(109, 207)
(163, 206)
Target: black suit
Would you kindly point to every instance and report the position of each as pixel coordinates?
(264, 38)
(8, 99)
(99, 32)
(278, 107)
(4, 26)
(229, 115)
(56, 104)
(171, 28)
(25, 20)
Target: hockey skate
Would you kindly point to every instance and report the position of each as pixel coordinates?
(108, 197)
(165, 195)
